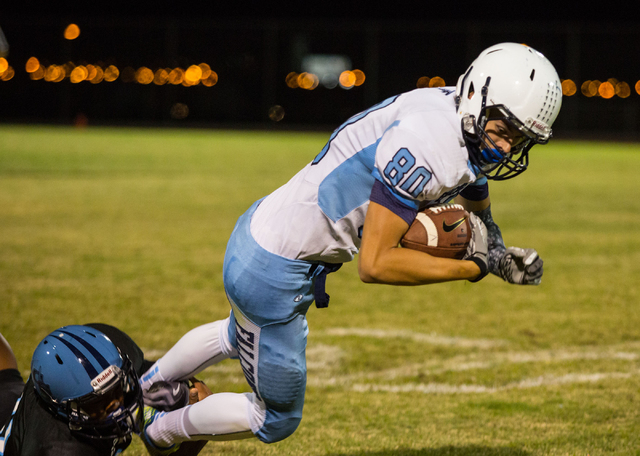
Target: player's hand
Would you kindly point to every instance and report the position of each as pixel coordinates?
(198, 391)
(478, 246)
(520, 266)
(167, 396)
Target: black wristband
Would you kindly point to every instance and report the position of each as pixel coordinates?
(484, 269)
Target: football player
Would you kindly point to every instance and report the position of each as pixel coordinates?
(359, 195)
(83, 396)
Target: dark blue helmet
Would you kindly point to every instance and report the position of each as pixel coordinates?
(84, 379)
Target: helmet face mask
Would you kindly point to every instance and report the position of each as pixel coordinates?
(111, 412)
(96, 404)
(487, 156)
(514, 84)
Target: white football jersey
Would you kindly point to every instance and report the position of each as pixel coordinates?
(412, 143)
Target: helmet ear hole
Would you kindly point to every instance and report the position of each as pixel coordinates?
(533, 73)
(471, 91)
(59, 360)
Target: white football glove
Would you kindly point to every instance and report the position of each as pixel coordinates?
(478, 246)
(520, 266)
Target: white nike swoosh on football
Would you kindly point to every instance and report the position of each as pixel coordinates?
(176, 390)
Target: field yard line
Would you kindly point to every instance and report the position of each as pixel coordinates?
(444, 388)
(474, 361)
(431, 338)
(323, 358)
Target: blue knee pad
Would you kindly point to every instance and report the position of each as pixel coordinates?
(273, 360)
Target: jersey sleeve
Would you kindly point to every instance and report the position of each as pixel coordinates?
(477, 191)
(382, 195)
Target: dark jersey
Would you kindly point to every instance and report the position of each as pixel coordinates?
(33, 431)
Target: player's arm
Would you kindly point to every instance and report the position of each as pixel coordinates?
(381, 260)
(513, 264)
(7, 358)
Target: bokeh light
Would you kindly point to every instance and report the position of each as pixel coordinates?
(206, 70)
(161, 76)
(423, 81)
(276, 113)
(606, 90)
(98, 76)
(176, 76)
(308, 81)
(144, 75)
(360, 77)
(8, 73)
(78, 74)
(32, 65)
(347, 79)
(292, 80)
(72, 32)
(179, 111)
(193, 74)
(211, 80)
(569, 88)
(111, 73)
(623, 90)
(4, 65)
(437, 82)
(38, 74)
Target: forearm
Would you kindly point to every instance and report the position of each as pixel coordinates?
(7, 358)
(494, 238)
(409, 267)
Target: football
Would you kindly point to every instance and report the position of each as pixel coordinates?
(442, 231)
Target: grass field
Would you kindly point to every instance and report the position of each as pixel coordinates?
(129, 227)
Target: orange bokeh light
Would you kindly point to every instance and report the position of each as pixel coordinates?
(360, 77)
(347, 79)
(437, 82)
(7, 74)
(78, 74)
(623, 90)
(144, 75)
(32, 65)
(606, 90)
(569, 88)
(176, 76)
(211, 80)
(111, 73)
(423, 82)
(193, 74)
(308, 81)
(292, 80)
(72, 32)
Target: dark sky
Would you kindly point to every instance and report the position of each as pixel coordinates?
(501, 10)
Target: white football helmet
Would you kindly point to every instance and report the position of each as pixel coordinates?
(514, 83)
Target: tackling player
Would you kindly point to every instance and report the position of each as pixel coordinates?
(359, 195)
(83, 396)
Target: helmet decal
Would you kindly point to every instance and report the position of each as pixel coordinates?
(82, 359)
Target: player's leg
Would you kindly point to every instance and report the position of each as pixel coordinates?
(273, 360)
(196, 350)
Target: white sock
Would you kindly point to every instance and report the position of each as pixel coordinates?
(196, 350)
(222, 416)
(168, 428)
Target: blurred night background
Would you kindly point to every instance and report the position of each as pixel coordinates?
(274, 65)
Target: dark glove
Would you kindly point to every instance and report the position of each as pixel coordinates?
(520, 266)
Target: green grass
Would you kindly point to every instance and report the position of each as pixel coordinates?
(129, 227)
